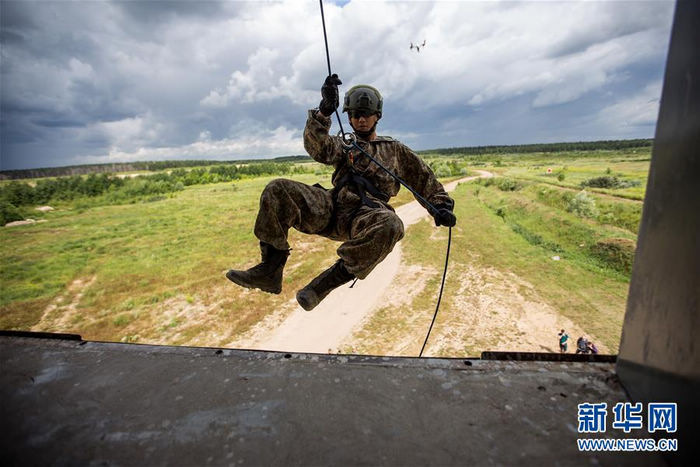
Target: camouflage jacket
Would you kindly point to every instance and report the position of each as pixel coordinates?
(391, 153)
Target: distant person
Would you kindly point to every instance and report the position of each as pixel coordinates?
(356, 211)
(563, 338)
(581, 345)
(592, 348)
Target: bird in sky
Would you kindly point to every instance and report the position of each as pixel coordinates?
(416, 46)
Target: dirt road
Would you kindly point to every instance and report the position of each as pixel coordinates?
(333, 320)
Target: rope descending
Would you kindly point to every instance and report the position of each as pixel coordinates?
(350, 142)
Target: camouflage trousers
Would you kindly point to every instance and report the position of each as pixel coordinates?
(368, 234)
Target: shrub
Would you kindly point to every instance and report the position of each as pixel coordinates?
(622, 215)
(605, 181)
(628, 183)
(9, 213)
(17, 194)
(121, 320)
(443, 170)
(608, 181)
(534, 238)
(617, 253)
(583, 205)
(508, 184)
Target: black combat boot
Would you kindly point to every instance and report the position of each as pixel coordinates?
(317, 289)
(266, 276)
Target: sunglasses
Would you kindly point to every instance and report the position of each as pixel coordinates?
(360, 113)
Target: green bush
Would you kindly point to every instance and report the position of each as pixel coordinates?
(628, 183)
(623, 215)
(608, 181)
(534, 238)
(508, 184)
(605, 181)
(583, 205)
(443, 170)
(555, 198)
(617, 253)
(10, 213)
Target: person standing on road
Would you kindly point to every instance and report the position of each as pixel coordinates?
(356, 211)
(563, 338)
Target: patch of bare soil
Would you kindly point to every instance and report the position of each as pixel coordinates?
(24, 222)
(256, 337)
(397, 304)
(173, 320)
(501, 311)
(61, 314)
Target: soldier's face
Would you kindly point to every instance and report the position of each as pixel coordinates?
(363, 122)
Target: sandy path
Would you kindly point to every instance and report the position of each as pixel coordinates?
(326, 326)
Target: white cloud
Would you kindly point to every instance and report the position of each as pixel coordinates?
(279, 141)
(641, 109)
(258, 83)
(128, 133)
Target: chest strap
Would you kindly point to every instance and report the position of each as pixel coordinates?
(362, 187)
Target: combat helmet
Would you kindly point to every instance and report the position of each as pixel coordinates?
(363, 97)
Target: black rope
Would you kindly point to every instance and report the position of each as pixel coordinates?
(442, 285)
(413, 192)
(397, 178)
(328, 61)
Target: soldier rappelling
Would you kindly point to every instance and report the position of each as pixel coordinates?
(356, 211)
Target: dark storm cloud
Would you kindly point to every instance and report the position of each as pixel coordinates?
(605, 22)
(100, 81)
(157, 12)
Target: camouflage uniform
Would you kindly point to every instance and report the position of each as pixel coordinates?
(368, 234)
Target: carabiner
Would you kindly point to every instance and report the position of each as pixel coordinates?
(348, 140)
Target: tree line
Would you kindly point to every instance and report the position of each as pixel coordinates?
(151, 166)
(611, 145)
(171, 164)
(15, 196)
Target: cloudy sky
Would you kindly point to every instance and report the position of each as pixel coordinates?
(117, 81)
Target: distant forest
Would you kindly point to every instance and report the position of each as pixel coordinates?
(153, 166)
(612, 145)
(16, 197)
(171, 164)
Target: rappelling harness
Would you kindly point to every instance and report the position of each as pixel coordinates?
(362, 185)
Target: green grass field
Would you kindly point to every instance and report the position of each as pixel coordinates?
(153, 272)
(505, 241)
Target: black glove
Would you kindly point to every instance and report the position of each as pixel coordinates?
(329, 93)
(445, 217)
